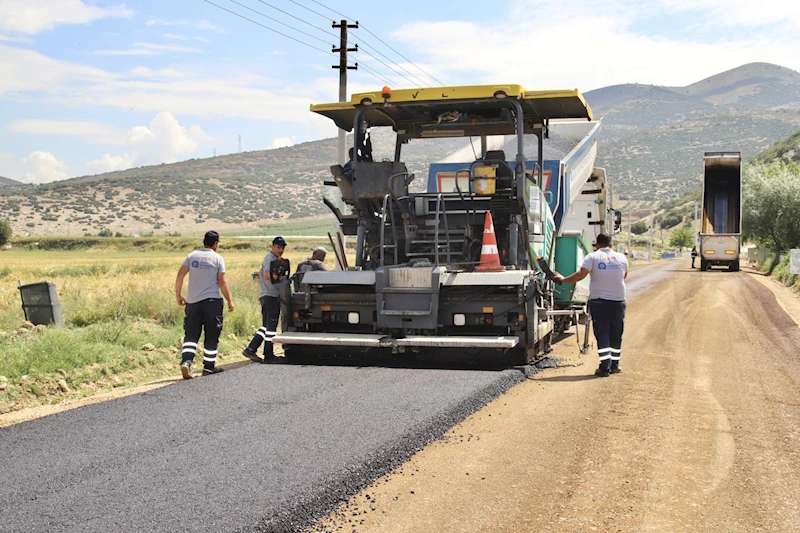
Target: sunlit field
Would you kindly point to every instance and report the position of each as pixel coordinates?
(123, 326)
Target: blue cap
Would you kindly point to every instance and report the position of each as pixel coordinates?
(279, 240)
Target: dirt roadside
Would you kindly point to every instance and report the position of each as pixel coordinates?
(701, 432)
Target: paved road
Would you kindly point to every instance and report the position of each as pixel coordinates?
(258, 448)
(700, 433)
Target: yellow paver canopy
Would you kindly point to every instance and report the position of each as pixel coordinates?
(457, 111)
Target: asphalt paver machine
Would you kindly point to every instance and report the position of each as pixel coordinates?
(420, 283)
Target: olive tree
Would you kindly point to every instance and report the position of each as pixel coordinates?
(681, 238)
(771, 205)
(5, 231)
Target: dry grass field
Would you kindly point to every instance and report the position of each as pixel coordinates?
(123, 326)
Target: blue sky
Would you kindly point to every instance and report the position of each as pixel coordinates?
(88, 86)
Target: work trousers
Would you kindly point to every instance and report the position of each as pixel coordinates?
(205, 317)
(270, 313)
(608, 318)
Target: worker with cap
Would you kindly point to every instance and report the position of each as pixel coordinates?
(315, 262)
(608, 270)
(274, 275)
(203, 304)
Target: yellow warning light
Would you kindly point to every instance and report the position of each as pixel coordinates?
(386, 92)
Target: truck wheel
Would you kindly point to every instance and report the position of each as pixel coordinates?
(734, 267)
(703, 265)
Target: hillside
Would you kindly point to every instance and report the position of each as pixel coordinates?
(8, 182)
(233, 192)
(786, 150)
(651, 145)
(653, 137)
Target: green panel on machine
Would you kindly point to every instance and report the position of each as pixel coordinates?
(571, 249)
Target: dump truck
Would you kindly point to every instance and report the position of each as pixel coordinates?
(420, 280)
(721, 225)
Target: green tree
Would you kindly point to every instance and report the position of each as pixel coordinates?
(681, 238)
(639, 227)
(770, 205)
(5, 231)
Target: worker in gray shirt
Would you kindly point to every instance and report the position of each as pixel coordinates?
(203, 304)
(273, 275)
(608, 270)
(315, 262)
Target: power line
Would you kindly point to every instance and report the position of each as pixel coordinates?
(266, 27)
(309, 9)
(278, 21)
(404, 57)
(301, 20)
(338, 37)
(377, 75)
(363, 45)
(379, 39)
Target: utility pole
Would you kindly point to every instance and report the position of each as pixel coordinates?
(630, 229)
(650, 240)
(240, 144)
(343, 68)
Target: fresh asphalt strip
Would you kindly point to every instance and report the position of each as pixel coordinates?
(267, 448)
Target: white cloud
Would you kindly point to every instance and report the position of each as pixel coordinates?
(146, 72)
(8, 39)
(738, 12)
(198, 24)
(110, 163)
(147, 49)
(163, 141)
(95, 132)
(32, 17)
(281, 142)
(27, 75)
(588, 45)
(43, 167)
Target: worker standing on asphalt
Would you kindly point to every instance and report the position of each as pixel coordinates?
(608, 270)
(203, 314)
(694, 254)
(274, 274)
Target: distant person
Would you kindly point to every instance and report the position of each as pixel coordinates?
(608, 270)
(273, 275)
(315, 262)
(694, 254)
(347, 169)
(206, 270)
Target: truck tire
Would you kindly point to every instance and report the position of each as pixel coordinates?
(734, 266)
(703, 265)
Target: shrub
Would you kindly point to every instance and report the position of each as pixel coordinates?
(5, 231)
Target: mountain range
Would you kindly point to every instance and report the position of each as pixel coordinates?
(651, 144)
(653, 138)
(8, 181)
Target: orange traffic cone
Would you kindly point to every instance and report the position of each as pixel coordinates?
(490, 259)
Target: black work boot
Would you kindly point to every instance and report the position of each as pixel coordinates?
(211, 371)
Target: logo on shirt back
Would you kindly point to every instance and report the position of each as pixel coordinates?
(195, 264)
(601, 265)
